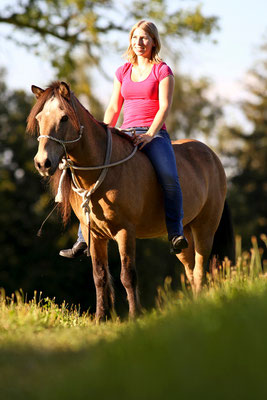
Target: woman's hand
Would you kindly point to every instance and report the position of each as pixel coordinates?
(141, 139)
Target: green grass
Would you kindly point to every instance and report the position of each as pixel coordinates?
(210, 347)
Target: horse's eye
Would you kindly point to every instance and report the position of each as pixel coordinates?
(64, 118)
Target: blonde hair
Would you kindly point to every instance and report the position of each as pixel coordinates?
(151, 29)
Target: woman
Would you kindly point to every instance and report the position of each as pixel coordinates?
(144, 85)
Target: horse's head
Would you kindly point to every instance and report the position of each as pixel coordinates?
(56, 120)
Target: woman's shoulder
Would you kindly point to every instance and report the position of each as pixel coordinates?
(122, 70)
(162, 70)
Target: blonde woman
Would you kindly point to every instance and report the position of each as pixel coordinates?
(144, 87)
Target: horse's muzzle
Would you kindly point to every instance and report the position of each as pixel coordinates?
(43, 166)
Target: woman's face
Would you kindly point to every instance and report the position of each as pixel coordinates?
(142, 43)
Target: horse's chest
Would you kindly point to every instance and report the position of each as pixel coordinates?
(105, 218)
(104, 225)
(108, 214)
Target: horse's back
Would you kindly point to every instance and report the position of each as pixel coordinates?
(195, 160)
(196, 154)
(135, 196)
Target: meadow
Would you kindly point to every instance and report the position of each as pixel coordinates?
(213, 346)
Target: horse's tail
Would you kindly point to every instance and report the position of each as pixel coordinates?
(224, 239)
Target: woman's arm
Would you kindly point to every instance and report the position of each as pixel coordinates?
(114, 108)
(166, 87)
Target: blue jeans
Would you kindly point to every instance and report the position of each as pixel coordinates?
(161, 154)
(80, 235)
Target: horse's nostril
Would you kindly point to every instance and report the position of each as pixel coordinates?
(47, 164)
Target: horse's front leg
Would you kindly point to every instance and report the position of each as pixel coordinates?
(127, 243)
(102, 278)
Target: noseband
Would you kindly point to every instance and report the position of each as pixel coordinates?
(63, 142)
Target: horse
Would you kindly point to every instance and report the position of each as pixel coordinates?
(128, 204)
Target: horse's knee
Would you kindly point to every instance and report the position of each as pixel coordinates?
(100, 277)
(128, 277)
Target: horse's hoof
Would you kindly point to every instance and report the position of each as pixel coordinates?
(100, 320)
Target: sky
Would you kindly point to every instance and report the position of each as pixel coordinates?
(243, 27)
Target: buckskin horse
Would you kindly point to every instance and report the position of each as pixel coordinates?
(124, 201)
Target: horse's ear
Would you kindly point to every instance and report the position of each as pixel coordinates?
(37, 91)
(64, 90)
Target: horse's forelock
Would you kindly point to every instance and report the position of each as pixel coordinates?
(68, 109)
(31, 120)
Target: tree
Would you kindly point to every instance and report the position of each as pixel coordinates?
(247, 158)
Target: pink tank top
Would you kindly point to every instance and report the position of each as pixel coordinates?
(141, 99)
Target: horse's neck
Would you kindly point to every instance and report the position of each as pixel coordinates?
(90, 150)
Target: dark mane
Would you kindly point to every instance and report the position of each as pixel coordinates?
(122, 134)
(53, 91)
(90, 115)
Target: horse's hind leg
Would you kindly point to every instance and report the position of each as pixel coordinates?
(127, 242)
(102, 278)
(187, 256)
(203, 249)
(203, 229)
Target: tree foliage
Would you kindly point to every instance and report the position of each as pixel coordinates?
(247, 156)
(77, 36)
(193, 114)
(67, 31)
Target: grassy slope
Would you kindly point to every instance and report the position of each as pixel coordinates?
(211, 347)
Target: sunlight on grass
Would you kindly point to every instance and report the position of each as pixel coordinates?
(223, 281)
(183, 348)
(43, 324)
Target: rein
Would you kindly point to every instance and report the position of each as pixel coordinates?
(68, 163)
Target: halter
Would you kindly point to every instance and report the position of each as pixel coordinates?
(63, 142)
(68, 163)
